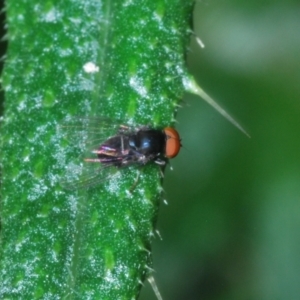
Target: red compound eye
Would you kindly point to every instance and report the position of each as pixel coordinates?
(172, 143)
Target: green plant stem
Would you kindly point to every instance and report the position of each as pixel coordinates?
(83, 243)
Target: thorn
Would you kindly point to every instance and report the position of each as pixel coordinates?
(192, 87)
(154, 287)
(141, 282)
(158, 234)
(178, 105)
(150, 269)
(199, 42)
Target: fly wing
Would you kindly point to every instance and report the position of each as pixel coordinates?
(82, 138)
(89, 132)
(86, 175)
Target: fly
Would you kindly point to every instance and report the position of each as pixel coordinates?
(110, 144)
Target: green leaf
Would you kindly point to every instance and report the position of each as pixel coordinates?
(119, 59)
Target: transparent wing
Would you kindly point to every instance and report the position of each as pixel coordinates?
(90, 132)
(82, 138)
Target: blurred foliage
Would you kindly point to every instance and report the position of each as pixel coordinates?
(231, 229)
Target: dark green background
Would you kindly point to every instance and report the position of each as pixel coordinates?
(231, 229)
(232, 226)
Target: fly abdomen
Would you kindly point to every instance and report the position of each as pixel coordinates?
(114, 150)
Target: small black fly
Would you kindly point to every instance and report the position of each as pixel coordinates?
(106, 143)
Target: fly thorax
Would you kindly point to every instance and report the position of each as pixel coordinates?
(150, 142)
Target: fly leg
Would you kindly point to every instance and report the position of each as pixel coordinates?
(123, 129)
(135, 182)
(162, 163)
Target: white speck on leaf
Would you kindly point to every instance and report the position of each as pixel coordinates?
(137, 85)
(90, 67)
